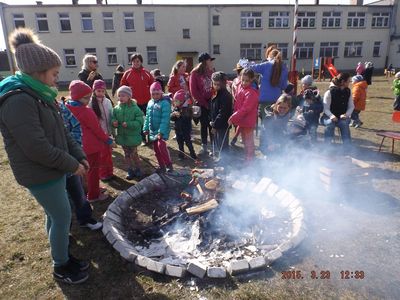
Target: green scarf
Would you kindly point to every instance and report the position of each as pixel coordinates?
(46, 93)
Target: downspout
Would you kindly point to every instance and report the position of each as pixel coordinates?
(392, 31)
(209, 29)
(5, 34)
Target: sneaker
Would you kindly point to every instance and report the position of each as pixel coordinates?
(170, 168)
(130, 175)
(203, 149)
(233, 142)
(193, 155)
(101, 197)
(80, 265)
(352, 123)
(143, 144)
(92, 224)
(68, 273)
(161, 170)
(358, 124)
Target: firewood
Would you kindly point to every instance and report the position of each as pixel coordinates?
(212, 184)
(211, 204)
(200, 189)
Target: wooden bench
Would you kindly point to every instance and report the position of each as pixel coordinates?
(394, 135)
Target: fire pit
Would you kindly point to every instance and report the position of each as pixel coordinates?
(223, 226)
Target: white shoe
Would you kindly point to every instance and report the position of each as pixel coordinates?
(92, 224)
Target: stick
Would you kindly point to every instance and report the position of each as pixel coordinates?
(202, 207)
(223, 141)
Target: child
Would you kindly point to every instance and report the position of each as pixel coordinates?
(119, 72)
(102, 107)
(156, 126)
(245, 115)
(359, 93)
(275, 124)
(311, 110)
(178, 79)
(93, 136)
(396, 91)
(128, 120)
(182, 116)
(74, 186)
(220, 111)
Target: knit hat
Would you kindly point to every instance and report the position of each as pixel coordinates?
(30, 55)
(125, 89)
(155, 87)
(180, 96)
(357, 78)
(397, 75)
(78, 89)
(307, 80)
(99, 84)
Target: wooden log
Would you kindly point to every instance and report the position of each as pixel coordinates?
(211, 204)
(200, 189)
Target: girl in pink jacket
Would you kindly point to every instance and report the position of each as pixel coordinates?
(245, 114)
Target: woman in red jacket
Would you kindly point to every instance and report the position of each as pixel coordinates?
(93, 137)
(201, 90)
(139, 80)
(178, 79)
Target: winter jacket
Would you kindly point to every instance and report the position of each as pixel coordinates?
(116, 82)
(38, 146)
(84, 74)
(133, 116)
(274, 130)
(312, 112)
(339, 103)
(201, 88)
(182, 124)
(221, 109)
(93, 136)
(157, 118)
(106, 109)
(396, 87)
(359, 93)
(71, 123)
(246, 108)
(178, 82)
(268, 93)
(139, 80)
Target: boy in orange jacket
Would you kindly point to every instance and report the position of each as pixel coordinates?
(359, 93)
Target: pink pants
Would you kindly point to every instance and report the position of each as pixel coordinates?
(162, 153)
(106, 167)
(248, 141)
(93, 184)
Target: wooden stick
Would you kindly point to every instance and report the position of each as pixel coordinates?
(211, 204)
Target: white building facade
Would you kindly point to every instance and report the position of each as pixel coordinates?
(165, 33)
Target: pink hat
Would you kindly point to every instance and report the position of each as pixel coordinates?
(155, 87)
(78, 89)
(180, 96)
(99, 85)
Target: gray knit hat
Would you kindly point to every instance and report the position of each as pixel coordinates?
(125, 89)
(30, 54)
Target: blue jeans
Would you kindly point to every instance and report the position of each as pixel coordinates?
(77, 195)
(344, 128)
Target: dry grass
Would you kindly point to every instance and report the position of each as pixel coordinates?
(25, 265)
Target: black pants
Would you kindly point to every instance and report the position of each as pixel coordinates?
(221, 143)
(143, 108)
(183, 129)
(205, 128)
(78, 197)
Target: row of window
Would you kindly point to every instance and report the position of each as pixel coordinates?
(306, 50)
(280, 19)
(111, 55)
(87, 21)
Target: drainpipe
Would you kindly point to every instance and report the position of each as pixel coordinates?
(5, 34)
(209, 29)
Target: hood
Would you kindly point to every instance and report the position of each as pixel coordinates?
(11, 83)
(363, 84)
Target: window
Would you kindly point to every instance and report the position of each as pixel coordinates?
(112, 56)
(377, 49)
(65, 23)
(216, 49)
(90, 51)
(331, 19)
(278, 19)
(250, 20)
(352, 49)
(329, 49)
(152, 55)
(356, 20)
(215, 20)
(250, 51)
(108, 21)
(69, 55)
(283, 48)
(19, 20)
(380, 19)
(128, 21)
(149, 24)
(130, 51)
(306, 19)
(186, 33)
(87, 22)
(42, 24)
(305, 50)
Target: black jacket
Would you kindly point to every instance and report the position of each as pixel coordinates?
(221, 109)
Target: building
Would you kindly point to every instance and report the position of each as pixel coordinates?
(165, 33)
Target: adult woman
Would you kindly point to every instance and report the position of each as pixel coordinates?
(338, 106)
(201, 90)
(89, 72)
(40, 150)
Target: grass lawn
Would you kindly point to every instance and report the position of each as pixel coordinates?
(346, 232)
